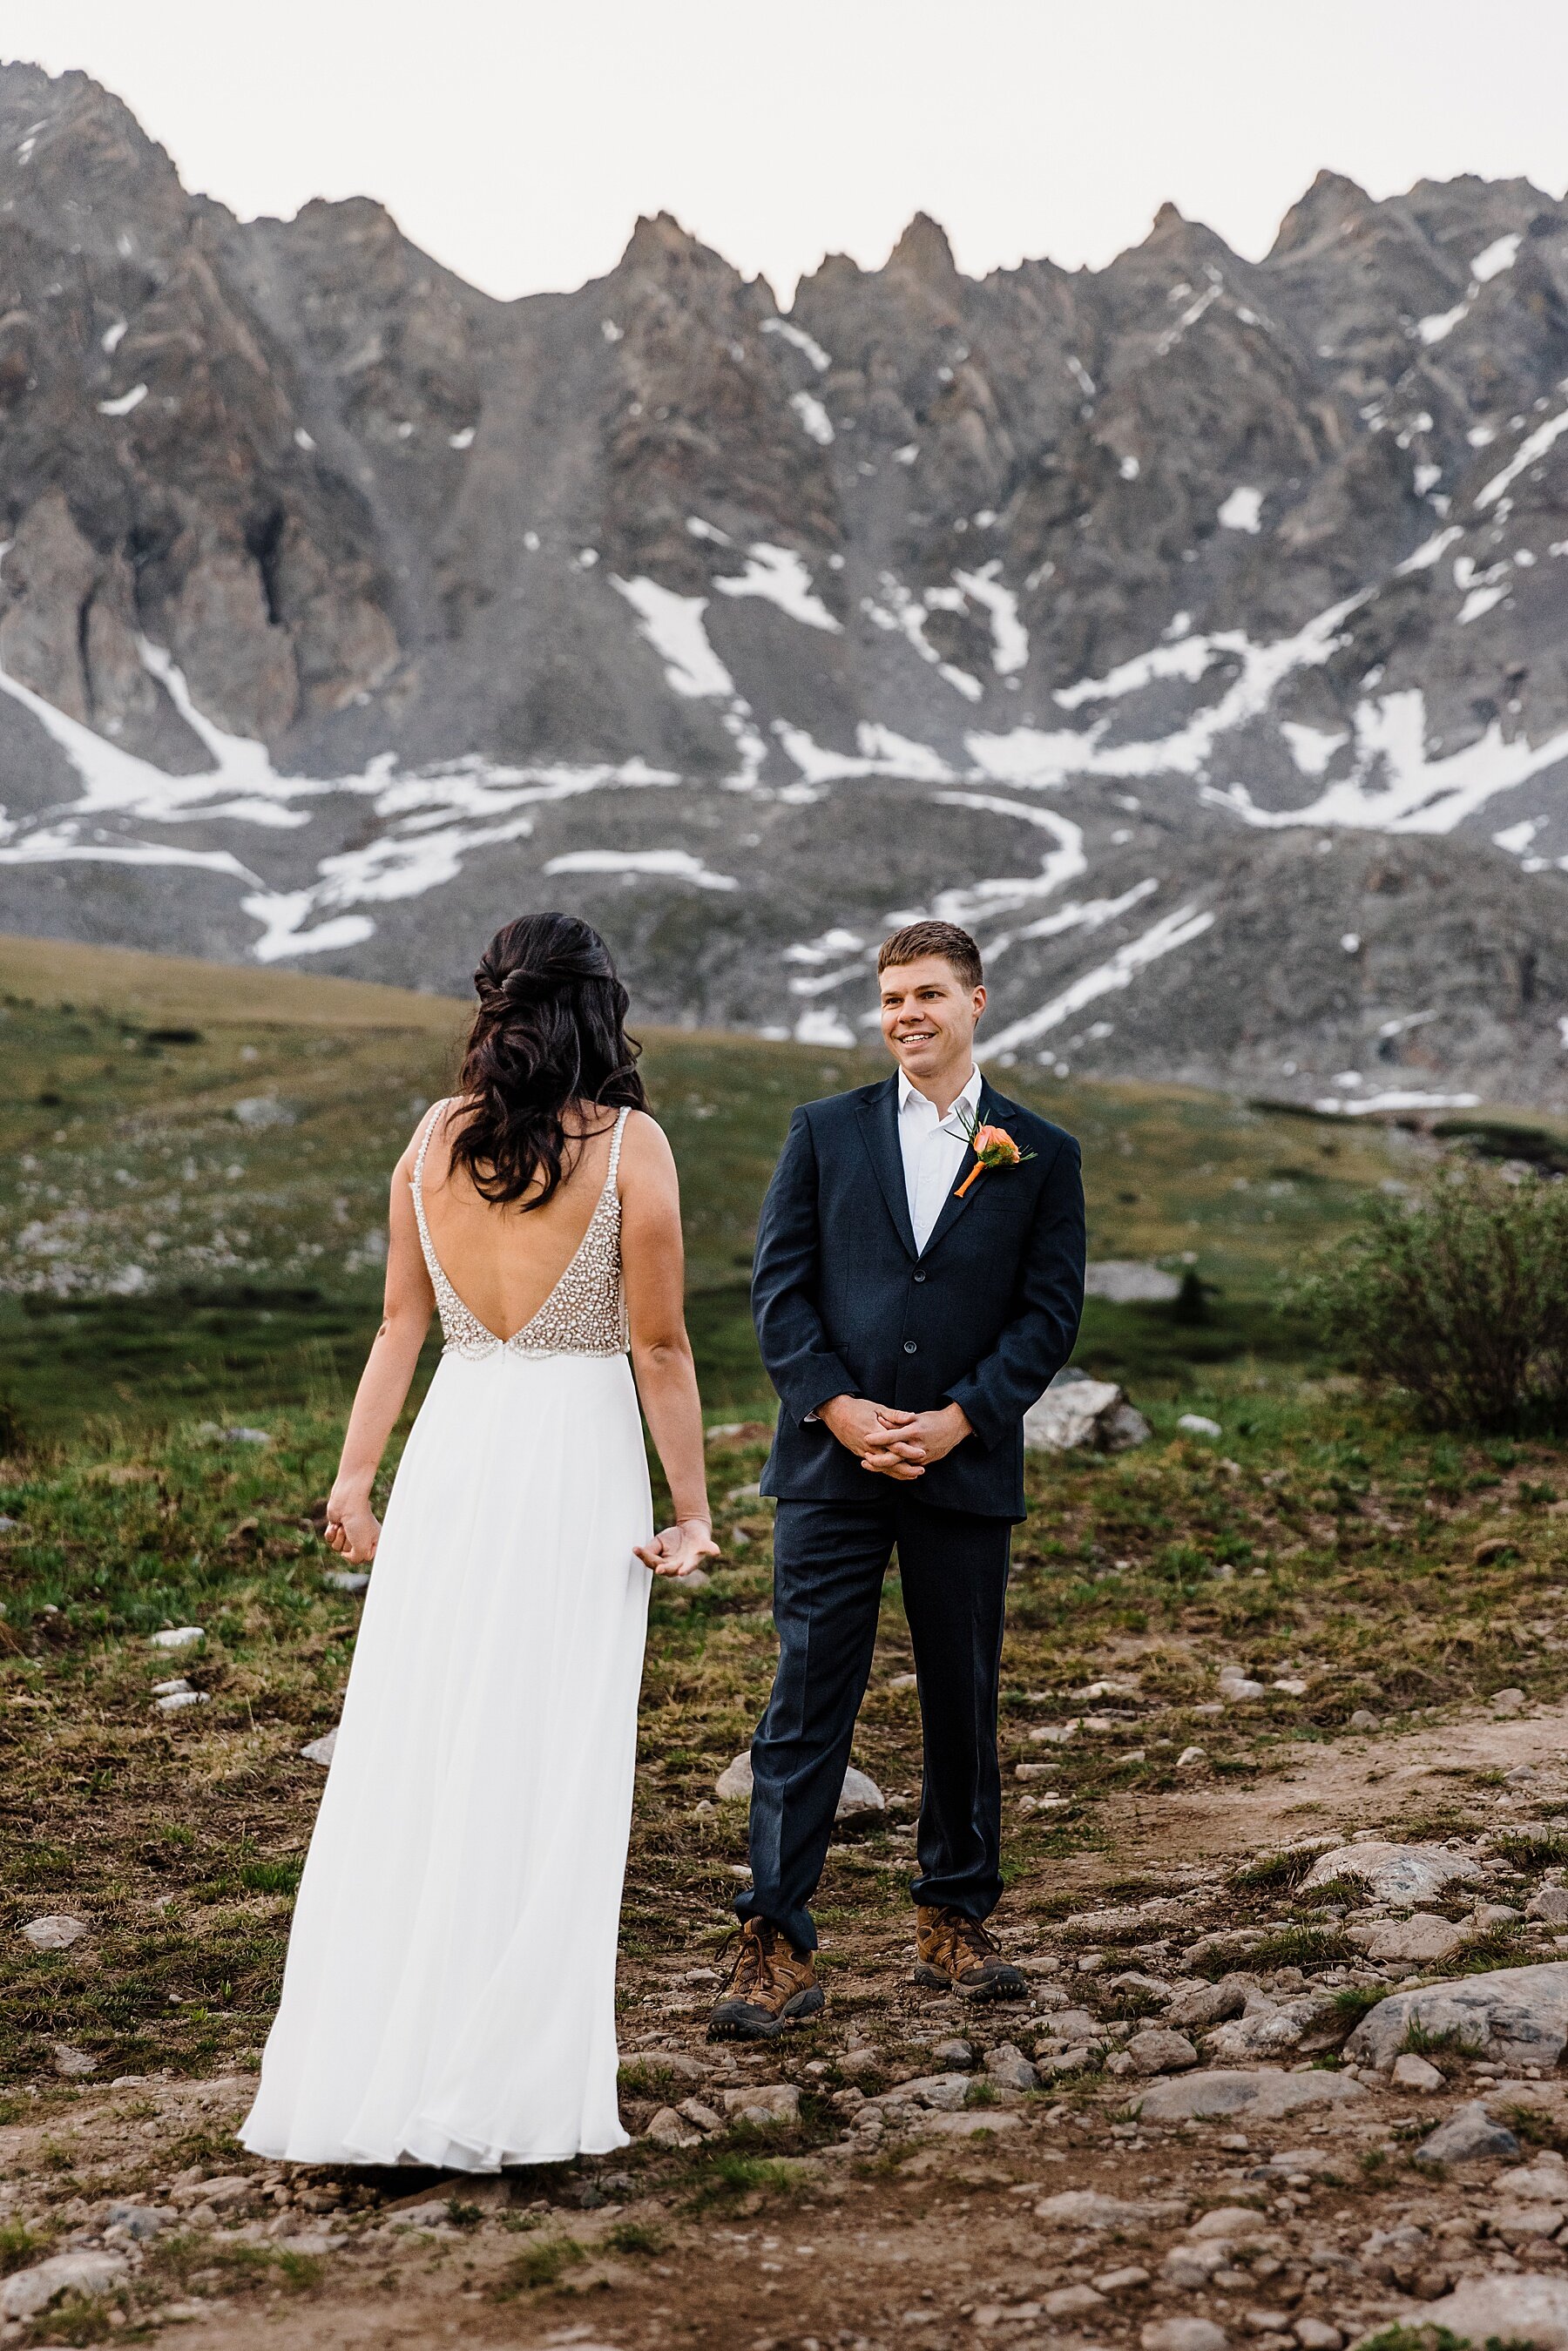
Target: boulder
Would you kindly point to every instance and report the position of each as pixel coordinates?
(177, 1637)
(1468, 2135)
(1514, 2016)
(1521, 2309)
(1394, 1873)
(860, 1798)
(1262, 2096)
(1549, 1905)
(1077, 1413)
(29, 2292)
(73, 2062)
(55, 1933)
(1423, 1940)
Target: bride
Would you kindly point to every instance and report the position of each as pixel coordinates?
(449, 1996)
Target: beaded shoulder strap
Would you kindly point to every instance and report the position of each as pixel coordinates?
(615, 1149)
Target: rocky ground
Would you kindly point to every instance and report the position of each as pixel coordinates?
(1214, 2120)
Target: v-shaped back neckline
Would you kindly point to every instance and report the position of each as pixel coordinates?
(461, 1327)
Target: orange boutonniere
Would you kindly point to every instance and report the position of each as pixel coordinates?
(993, 1147)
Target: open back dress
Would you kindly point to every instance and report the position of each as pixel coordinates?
(449, 1996)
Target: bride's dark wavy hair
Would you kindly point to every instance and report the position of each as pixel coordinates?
(551, 1030)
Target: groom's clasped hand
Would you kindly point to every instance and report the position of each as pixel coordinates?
(895, 1443)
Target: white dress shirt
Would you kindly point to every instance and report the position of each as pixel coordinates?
(933, 1149)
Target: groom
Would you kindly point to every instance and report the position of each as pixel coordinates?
(908, 1320)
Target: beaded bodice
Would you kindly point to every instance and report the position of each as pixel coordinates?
(585, 1313)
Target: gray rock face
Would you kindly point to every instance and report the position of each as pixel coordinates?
(1260, 2095)
(1515, 2016)
(1279, 562)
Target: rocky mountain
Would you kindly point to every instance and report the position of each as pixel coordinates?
(1196, 630)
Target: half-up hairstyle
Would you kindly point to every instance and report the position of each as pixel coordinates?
(551, 1030)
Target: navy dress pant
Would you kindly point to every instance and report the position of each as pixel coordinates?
(828, 1562)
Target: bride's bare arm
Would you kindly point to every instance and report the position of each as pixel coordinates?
(654, 1261)
(408, 1303)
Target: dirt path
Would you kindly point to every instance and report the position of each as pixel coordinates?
(1353, 1783)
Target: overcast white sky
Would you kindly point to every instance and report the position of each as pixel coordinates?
(518, 140)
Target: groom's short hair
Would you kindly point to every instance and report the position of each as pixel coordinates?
(944, 939)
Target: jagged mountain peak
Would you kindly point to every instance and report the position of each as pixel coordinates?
(1331, 204)
(923, 252)
(1134, 617)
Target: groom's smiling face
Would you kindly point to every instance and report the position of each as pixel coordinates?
(929, 1017)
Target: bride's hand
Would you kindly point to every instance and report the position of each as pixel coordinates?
(679, 1549)
(353, 1530)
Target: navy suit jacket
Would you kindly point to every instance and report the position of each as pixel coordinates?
(984, 1316)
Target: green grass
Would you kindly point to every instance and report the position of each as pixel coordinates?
(162, 1255)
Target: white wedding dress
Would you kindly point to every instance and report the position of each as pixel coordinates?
(449, 1996)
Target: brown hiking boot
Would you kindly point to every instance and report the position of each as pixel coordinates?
(954, 1953)
(770, 1985)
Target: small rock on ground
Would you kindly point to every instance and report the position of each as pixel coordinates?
(321, 1750)
(56, 1933)
(1181, 2334)
(859, 1799)
(1157, 2051)
(1008, 2066)
(1262, 2096)
(1413, 2073)
(1468, 2135)
(29, 2292)
(1393, 1873)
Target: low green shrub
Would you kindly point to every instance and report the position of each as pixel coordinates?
(1460, 1299)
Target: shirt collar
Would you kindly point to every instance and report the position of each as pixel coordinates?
(969, 1099)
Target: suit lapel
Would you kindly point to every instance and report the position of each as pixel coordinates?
(879, 1132)
(989, 1111)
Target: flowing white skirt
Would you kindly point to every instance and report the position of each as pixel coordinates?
(449, 1996)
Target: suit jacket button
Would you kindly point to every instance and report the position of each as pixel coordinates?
(920, 1277)
(909, 1347)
